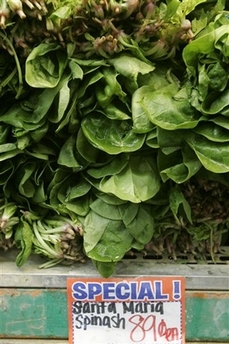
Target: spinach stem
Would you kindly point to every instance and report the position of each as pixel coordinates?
(43, 243)
(8, 78)
(20, 78)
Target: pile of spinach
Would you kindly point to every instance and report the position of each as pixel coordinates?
(114, 123)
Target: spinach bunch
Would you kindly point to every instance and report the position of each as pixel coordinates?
(206, 59)
(8, 220)
(110, 127)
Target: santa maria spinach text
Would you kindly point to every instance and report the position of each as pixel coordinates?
(107, 315)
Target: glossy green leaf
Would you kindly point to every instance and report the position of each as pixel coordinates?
(170, 140)
(212, 132)
(108, 198)
(26, 185)
(9, 154)
(221, 121)
(39, 195)
(137, 182)
(152, 138)
(79, 206)
(116, 113)
(89, 81)
(214, 156)
(6, 170)
(4, 132)
(113, 137)
(167, 112)
(216, 103)
(141, 121)
(63, 12)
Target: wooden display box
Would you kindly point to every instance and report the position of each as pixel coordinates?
(33, 302)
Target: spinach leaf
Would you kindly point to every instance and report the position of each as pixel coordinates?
(106, 210)
(167, 111)
(115, 166)
(106, 269)
(131, 67)
(179, 165)
(108, 198)
(212, 131)
(24, 241)
(45, 65)
(137, 182)
(176, 200)
(105, 240)
(67, 154)
(113, 137)
(214, 156)
(141, 121)
(142, 226)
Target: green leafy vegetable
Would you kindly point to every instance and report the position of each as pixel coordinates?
(113, 137)
(113, 129)
(45, 65)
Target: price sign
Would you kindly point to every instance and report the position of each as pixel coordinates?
(143, 310)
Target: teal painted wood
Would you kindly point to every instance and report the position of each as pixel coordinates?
(42, 313)
(207, 316)
(35, 313)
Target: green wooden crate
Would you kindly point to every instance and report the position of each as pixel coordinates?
(33, 302)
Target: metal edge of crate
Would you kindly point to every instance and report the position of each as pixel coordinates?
(198, 276)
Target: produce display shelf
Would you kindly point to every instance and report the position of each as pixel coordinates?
(33, 301)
